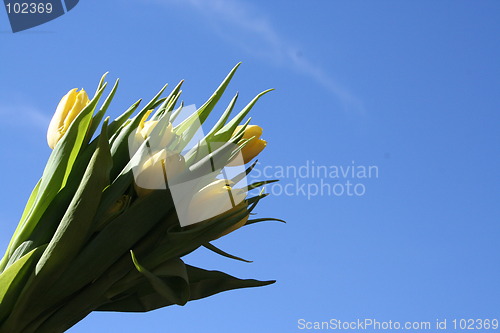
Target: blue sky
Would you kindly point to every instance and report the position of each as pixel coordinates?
(408, 87)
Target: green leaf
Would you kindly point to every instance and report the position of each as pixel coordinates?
(253, 201)
(223, 119)
(180, 242)
(212, 162)
(169, 103)
(119, 147)
(102, 111)
(27, 210)
(23, 249)
(204, 144)
(50, 219)
(31, 201)
(118, 122)
(101, 82)
(207, 145)
(60, 318)
(236, 179)
(202, 283)
(57, 171)
(124, 231)
(261, 183)
(215, 249)
(12, 280)
(176, 113)
(190, 125)
(176, 289)
(264, 219)
(227, 131)
(111, 195)
(73, 230)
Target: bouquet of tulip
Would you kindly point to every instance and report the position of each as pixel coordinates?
(121, 202)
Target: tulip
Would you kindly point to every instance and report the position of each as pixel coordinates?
(145, 129)
(216, 198)
(253, 147)
(68, 109)
(156, 171)
(85, 234)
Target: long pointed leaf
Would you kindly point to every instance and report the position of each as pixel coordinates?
(227, 131)
(190, 125)
(12, 280)
(102, 111)
(57, 170)
(215, 249)
(202, 283)
(176, 292)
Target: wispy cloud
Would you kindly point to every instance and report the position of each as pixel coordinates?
(25, 116)
(247, 27)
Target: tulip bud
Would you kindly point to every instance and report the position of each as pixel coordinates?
(253, 147)
(68, 109)
(156, 171)
(216, 198)
(145, 129)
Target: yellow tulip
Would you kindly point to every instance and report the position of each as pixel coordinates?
(156, 171)
(214, 199)
(68, 109)
(145, 129)
(253, 147)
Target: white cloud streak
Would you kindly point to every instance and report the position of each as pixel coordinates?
(243, 25)
(24, 116)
